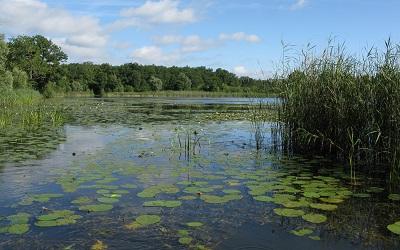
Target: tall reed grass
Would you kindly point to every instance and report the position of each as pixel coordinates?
(345, 106)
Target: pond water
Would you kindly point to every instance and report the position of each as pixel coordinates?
(157, 173)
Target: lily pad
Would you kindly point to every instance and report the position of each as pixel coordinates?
(96, 207)
(394, 197)
(322, 206)
(187, 197)
(314, 218)
(185, 240)
(215, 199)
(332, 200)
(302, 232)
(107, 200)
(288, 212)
(81, 200)
(143, 221)
(194, 224)
(394, 228)
(263, 198)
(18, 229)
(99, 245)
(361, 195)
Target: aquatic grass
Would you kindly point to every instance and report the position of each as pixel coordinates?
(345, 107)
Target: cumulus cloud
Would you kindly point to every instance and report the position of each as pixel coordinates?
(240, 36)
(194, 43)
(153, 13)
(155, 55)
(76, 34)
(299, 4)
(240, 70)
(187, 44)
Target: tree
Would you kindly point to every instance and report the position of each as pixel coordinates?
(156, 83)
(20, 79)
(6, 78)
(37, 56)
(183, 82)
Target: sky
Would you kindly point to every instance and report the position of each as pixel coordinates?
(242, 36)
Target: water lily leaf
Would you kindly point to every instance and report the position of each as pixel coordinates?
(314, 238)
(99, 245)
(194, 224)
(143, 221)
(183, 233)
(231, 191)
(81, 200)
(394, 228)
(96, 208)
(185, 240)
(263, 198)
(19, 218)
(322, 206)
(302, 232)
(148, 219)
(332, 200)
(187, 197)
(215, 199)
(107, 200)
(311, 195)
(314, 218)
(288, 212)
(394, 197)
(129, 186)
(18, 229)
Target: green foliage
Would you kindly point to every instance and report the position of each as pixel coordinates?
(37, 56)
(20, 79)
(347, 108)
(156, 83)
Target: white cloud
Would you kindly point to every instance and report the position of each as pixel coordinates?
(155, 55)
(299, 4)
(77, 35)
(240, 70)
(187, 44)
(240, 36)
(153, 13)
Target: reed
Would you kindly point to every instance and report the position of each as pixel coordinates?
(345, 107)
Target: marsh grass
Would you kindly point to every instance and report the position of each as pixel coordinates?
(346, 107)
(26, 108)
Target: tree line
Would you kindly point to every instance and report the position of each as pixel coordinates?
(41, 64)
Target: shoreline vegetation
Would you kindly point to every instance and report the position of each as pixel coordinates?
(332, 103)
(171, 93)
(346, 108)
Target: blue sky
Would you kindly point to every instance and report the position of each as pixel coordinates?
(242, 36)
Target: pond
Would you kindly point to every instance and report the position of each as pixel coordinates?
(159, 173)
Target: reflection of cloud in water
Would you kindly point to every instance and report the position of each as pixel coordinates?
(18, 179)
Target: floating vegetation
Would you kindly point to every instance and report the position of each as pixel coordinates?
(82, 200)
(162, 203)
(288, 212)
(129, 186)
(96, 208)
(57, 218)
(41, 198)
(394, 197)
(332, 200)
(314, 218)
(187, 197)
(143, 221)
(264, 198)
(99, 245)
(215, 199)
(194, 224)
(17, 224)
(152, 191)
(322, 206)
(107, 200)
(394, 228)
(302, 232)
(185, 240)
